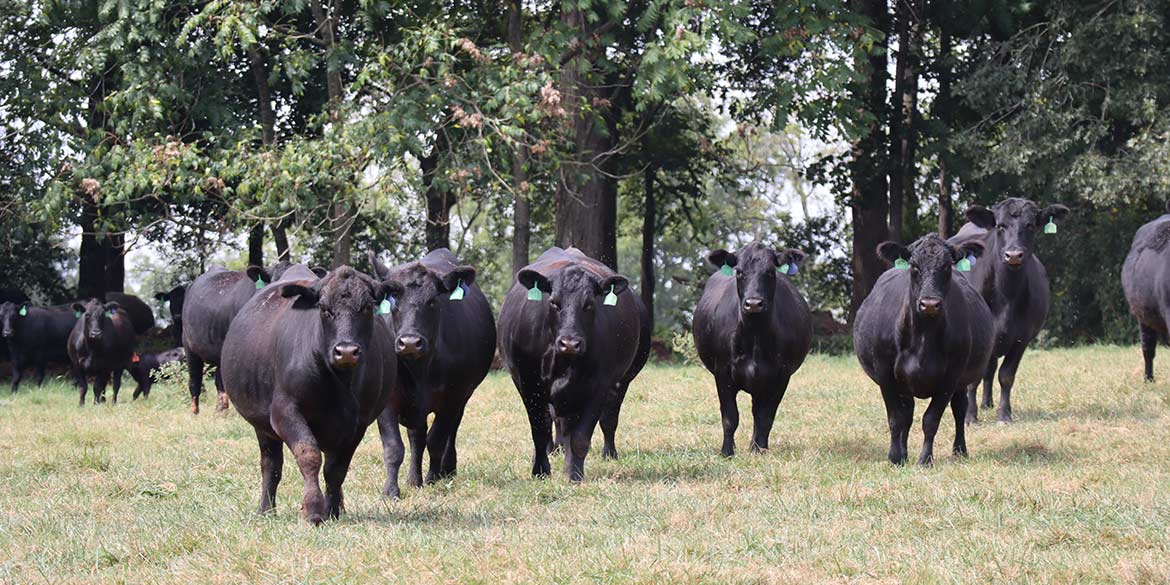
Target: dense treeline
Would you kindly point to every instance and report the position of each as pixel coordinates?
(644, 132)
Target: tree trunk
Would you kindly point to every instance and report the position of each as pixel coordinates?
(101, 264)
(946, 210)
(280, 238)
(586, 201)
(870, 199)
(91, 257)
(439, 200)
(649, 221)
(115, 247)
(342, 212)
(256, 245)
(263, 96)
(908, 16)
(521, 210)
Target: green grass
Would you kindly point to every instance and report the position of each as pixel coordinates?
(1078, 490)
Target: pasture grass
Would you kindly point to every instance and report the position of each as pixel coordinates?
(1075, 491)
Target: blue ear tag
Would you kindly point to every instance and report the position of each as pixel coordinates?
(457, 294)
(901, 264)
(1050, 227)
(611, 298)
(386, 306)
(259, 282)
(534, 293)
(725, 270)
(23, 310)
(971, 259)
(963, 265)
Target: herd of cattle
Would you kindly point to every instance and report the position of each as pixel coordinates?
(311, 358)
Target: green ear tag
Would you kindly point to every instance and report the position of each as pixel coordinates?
(77, 314)
(259, 282)
(110, 314)
(783, 269)
(901, 264)
(611, 298)
(457, 294)
(385, 307)
(1050, 227)
(23, 311)
(963, 265)
(725, 270)
(534, 293)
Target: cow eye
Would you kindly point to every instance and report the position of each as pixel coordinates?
(588, 306)
(431, 303)
(555, 305)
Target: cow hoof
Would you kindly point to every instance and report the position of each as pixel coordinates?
(609, 454)
(1005, 419)
(392, 492)
(728, 453)
(961, 452)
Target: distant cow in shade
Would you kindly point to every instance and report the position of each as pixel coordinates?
(141, 317)
(1013, 283)
(924, 332)
(174, 300)
(143, 367)
(35, 337)
(752, 330)
(445, 345)
(1145, 277)
(573, 337)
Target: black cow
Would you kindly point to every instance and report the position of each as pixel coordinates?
(1145, 277)
(1014, 285)
(445, 345)
(572, 339)
(102, 345)
(143, 366)
(308, 363)
(174, 301)
(924, 332)
(141, 317)
(752, 330)
(15, 296)
(35, 336)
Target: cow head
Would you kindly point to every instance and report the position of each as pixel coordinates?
(9, 317)
(345, 300)
(1015, 222)
(931, 261)
(174, 299)
(418, 309)
(755, 269)
(262, 276)
(574, 295)
(95, 315)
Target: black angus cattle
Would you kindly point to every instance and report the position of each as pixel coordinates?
(752, 331)
(174, 301)
(1145, 277)
(309, 364)
(35, 336)
(1013, 283)
(15, 296)
(102, 345)
(143, 366)
(924, 332)
(573, 339)
(445, 345)
(141, 317)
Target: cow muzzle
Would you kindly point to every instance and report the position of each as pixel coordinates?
(346, 355)
(930, 306)
(1014, 257)
(94, 335)
(410, 346)
(570, 345)
(754, 305)
(8, 333)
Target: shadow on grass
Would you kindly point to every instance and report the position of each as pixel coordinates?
(1026, 453)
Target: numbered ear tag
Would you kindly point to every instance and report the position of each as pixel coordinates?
(23, 311)
(534, 293)
(1050, 227)
(386, 306)
(611, 298)
(963, 265)
(725, 270)
(901, 264)
(457, 294)
(259, 282)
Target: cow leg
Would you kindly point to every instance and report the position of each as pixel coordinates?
(418, 443)
(99, 387)
(1007, 379)
(989, 382)
(959, 411)
(221, 397)
(1149, 348)
(729, 412)
(447, 468)
(535, 401)
(17, 369)
(763, 416)
(558, 430)
(289, 424)
(116, 382)
(194, 379)
(899, 415)
(142, 382)
(973, 395)
(609, 420)
(82, 385)
(930, 421)
(579, 439)
(41, 364)
(271, 467)
(393, 452)
(336, 468)
(437, 438)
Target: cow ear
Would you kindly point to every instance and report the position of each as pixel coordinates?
(720, 257)
(972, 248)
(376, 265)
(892, 251)
(306, 293)
(112, 306)
(255, 273)
(390, 288)
(529, 278)
(162, 296)
(1052, 212)
(981, 216)
(617, 283)
(320, 271)
(78, 307)
(790, 256)
(464, 274)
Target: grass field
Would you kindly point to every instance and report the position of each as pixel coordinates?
(1077, 490)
